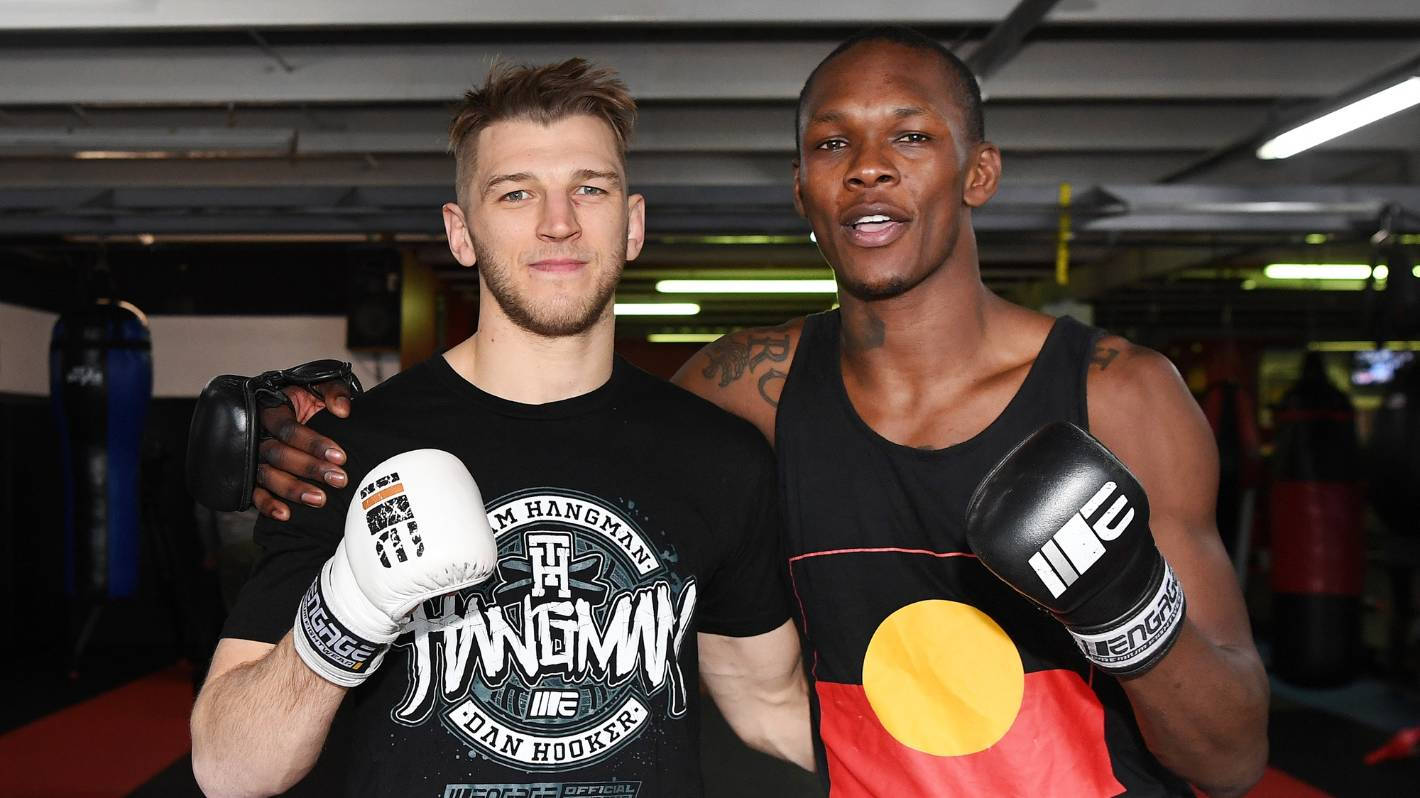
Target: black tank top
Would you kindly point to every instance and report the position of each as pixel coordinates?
(931, 676)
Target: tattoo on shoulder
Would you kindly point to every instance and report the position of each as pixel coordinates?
(1103, 356)
(732, 357)
(772, 377)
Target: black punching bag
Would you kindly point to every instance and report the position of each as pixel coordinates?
(1395, 454)
(100, 383)
(1394, 457)
(1317, 526)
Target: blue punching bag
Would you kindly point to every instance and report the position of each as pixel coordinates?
(100, 383)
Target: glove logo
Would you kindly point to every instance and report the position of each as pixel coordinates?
(332, 641)
(1149, 631)
(1076, 545)
(391, 520)
(561, 659)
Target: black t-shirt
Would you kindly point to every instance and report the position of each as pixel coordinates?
(652, 513)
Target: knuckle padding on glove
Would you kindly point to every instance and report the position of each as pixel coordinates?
(225, 435)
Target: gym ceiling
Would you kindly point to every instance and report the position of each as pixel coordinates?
(211, 132)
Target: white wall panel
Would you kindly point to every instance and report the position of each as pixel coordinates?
(190, 350)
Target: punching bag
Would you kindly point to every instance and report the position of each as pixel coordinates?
(1394, 458)
(100, 383)
(1317, 542)
(1395, 454)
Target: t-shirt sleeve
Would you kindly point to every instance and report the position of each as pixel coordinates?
(747, 594)
(291, 555)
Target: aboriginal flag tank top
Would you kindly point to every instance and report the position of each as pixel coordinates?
(932, 677)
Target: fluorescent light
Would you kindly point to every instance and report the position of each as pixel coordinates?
(1343, 120)
(1362, 346)
(732, 240)
(1317, 271)
(683, 338)
(655, 308)
(746, 286)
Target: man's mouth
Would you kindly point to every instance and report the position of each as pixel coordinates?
(554, 265)
(875, 229)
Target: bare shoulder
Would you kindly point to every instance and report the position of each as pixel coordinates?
(1121, 374)
(744, 371)
(1140, 408)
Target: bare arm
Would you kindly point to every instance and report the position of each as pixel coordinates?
(260, 721)
(744, 372)
(1203, 708)
(758, 684)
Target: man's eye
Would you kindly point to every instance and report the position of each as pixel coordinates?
(515, 196)
(915, 138)
(832, 144)
(590, 191)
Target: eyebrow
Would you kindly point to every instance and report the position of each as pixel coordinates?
(901, 112)
(580, 174)
(597, 174)
(516, 177)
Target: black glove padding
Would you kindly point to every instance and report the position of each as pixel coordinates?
(226, 430)
(1062, 521)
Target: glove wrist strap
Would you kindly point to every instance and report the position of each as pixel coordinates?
(328, 646)
(1136, 642)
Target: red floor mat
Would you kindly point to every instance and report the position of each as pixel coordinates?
(104, 747)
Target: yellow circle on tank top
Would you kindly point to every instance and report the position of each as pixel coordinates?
(943, 678)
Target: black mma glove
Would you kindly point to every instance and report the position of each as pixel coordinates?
(1062, 521)
(226, 429)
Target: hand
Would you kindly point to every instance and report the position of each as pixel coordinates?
(296, 453)
(1065, 524)
(224, 439)
(416, 529)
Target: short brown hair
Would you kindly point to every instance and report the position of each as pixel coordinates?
(543, 94)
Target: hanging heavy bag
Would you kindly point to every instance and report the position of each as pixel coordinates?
(1317, 533)
(101, 381)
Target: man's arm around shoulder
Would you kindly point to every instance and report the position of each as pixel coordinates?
(260, 720)
(1203, 708)
(743, 372)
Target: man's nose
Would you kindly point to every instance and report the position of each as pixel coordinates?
(559, 219)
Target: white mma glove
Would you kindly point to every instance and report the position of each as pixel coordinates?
(416, 529)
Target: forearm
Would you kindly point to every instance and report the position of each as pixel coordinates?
(1203, 713)
(258, 729)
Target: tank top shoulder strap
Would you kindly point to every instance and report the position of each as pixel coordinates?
(818, 342)
(812, 371)
(1056, 382)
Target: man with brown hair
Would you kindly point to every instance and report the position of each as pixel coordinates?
(626, 570)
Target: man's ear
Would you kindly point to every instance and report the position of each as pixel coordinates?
(798, 200)
(984, 176)
(635, 225)
(460, 240)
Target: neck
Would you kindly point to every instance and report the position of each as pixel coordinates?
(937, 329)
(511, 363)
